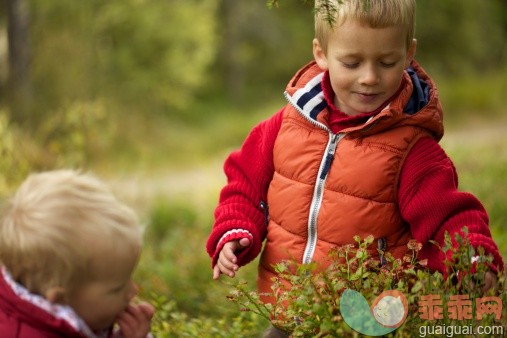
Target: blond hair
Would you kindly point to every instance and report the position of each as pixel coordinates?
(59, 225)
(374, 13)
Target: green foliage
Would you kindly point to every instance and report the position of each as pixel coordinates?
(174, 263)
(473, 95)
(69, 138)
(72, 136)
(156, 51)
(14, 165)
(310, 306)
(138, 56)
(456, 37)
(169, 322)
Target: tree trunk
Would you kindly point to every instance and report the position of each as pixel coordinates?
(19, 88)
(233, 71)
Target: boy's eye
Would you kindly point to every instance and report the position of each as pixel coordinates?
(350, 65)
(388, 64)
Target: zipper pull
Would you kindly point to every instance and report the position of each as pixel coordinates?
(329, 156)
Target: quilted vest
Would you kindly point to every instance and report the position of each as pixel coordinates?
(328, 188)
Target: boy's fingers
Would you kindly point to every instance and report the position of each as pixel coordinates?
(229, 271)
(232, 266)
(216, 272)
(229, 254)
(227, 259)
(244, 242)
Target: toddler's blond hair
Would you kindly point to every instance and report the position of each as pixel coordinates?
(374, 13)
(60, 225)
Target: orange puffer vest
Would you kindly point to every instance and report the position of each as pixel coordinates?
(328, 187)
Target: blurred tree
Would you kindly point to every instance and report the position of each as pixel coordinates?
(155, 56)
(458, 37)
(139, 56)
(156, 52)
(261, 48)
(4, 59)
(20, 93)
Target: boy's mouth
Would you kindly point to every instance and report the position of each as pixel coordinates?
(367, 97)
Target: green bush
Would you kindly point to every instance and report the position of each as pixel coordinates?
(310, 307)
(170, 322)
(14, 165)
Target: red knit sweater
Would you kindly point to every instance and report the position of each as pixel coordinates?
(428, 195)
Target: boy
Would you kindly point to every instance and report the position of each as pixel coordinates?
(354, 152)
(68, 248)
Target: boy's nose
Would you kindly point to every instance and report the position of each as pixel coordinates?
(369, 76)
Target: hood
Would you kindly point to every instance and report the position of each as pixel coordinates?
(416, 104)
(37, 312)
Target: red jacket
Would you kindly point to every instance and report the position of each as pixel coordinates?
(25, 315)
(427, 194)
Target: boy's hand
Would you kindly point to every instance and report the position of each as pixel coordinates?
(135, 321)
(227, 260)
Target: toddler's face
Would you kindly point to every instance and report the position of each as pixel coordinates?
(100, 301)
(365, 64)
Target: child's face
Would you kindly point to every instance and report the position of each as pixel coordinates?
(365, 64)
(100, 301)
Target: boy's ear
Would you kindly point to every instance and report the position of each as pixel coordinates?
(56, 295)
(411, 52)
(319, 55)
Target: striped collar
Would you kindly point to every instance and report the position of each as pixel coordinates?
(309, 100)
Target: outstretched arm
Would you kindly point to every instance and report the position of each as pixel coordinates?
(241, 212)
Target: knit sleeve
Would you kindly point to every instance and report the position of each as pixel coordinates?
(241, 208)
(431, 204)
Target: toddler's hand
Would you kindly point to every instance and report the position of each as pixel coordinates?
(227, 260)
(135, 321)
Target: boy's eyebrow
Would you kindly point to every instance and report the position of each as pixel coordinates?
(360, 55)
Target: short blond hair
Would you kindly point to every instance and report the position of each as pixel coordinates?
(374, 13)
(57, 223)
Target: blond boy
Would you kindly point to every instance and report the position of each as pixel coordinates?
(68, 249)
(354, 152)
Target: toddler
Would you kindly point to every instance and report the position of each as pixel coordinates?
(68, 249)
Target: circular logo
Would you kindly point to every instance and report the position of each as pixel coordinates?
(390, 308)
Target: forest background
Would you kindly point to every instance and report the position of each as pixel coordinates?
(151, 95)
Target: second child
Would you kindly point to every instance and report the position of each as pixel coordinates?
(68, 249)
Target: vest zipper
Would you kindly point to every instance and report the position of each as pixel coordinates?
(318, 193)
